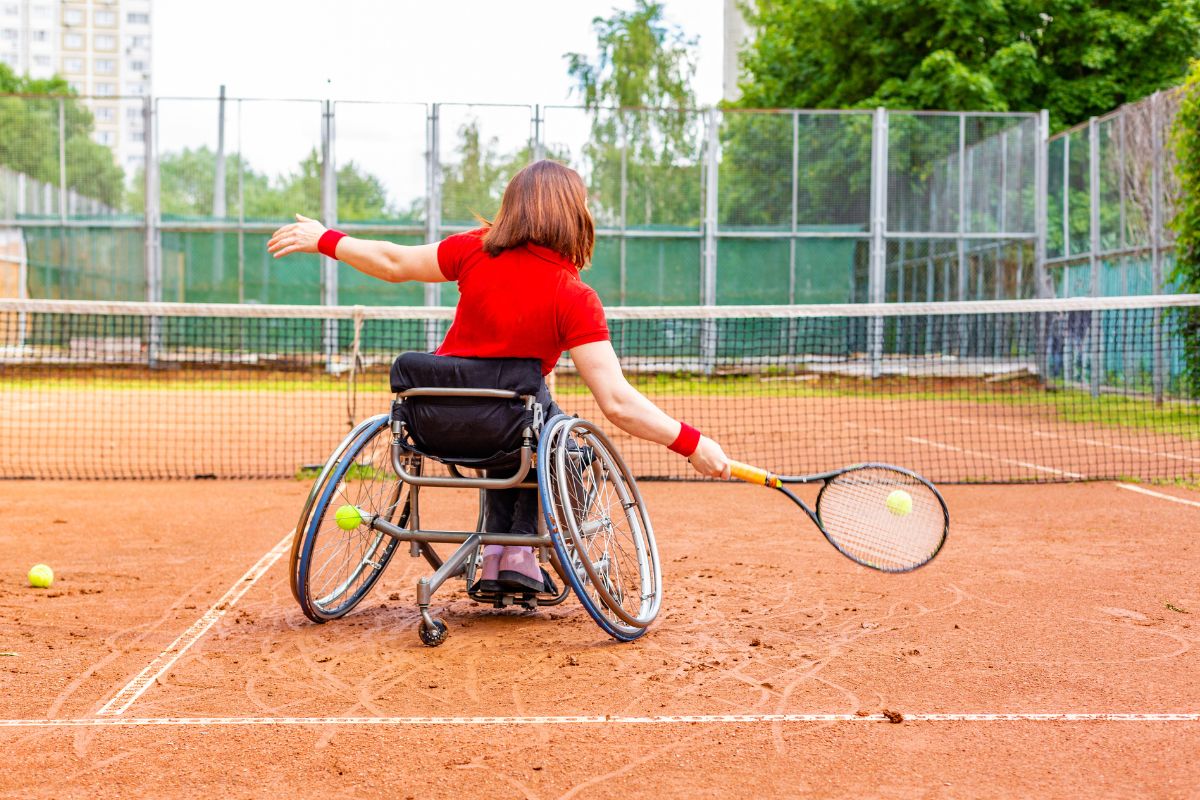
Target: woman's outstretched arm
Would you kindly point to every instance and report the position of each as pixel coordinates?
(390, 262)
(632, 412)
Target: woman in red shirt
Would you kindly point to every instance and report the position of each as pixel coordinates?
(521, 297)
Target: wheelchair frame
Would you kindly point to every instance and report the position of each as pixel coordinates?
(465, 559)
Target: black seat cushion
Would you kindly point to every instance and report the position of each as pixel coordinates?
(470, 431)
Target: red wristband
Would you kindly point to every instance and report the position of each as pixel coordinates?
(687, 441)
(327, 244)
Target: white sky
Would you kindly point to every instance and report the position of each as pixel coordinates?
(403, 51)
(481, 51)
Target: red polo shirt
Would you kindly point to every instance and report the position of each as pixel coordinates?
(527, 302)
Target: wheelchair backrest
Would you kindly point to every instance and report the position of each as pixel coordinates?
(465, 430)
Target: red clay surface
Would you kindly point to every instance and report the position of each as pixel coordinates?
(1077, 598)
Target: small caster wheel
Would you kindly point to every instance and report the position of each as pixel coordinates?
(432, 636)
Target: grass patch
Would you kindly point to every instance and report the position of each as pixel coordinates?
(1176, 418)
(355, 472)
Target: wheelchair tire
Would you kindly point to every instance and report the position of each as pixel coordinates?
(599, 527)
(334, 569)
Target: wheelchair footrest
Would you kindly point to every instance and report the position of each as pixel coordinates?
(505, 599)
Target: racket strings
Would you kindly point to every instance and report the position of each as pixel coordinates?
(860, 521)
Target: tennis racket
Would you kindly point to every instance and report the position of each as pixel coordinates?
(883, 517)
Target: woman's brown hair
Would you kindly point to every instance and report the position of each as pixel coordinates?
(545, 203)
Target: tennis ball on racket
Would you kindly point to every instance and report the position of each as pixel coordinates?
(41, 576)
(348, 518)
(899, 503)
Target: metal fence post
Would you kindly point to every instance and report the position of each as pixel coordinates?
(241, 201)
(877, 268)
(152, 215)
(708, 287)
(1041, 212)
(795, 206)
(1041, 190)
(963, 210)
(329, 275)
(793, 325)
(62, 161)
(538, 149)
(1158, 366)
(218, 203)
(624, 201)
(1096, 335)
(433, 213)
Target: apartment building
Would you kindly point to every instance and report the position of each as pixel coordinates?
(101, 47)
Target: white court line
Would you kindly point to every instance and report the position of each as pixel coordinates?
(1159, 495)
(605, 719)
(1026, 464)
(1089, 442)
(942, 446)
(123, 699)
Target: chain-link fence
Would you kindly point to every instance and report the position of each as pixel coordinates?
(1111, 190)
(692, 207)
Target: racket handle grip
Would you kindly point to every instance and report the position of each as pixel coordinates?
(755, 475)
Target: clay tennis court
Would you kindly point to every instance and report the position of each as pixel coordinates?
(1050, 650)
(183, 427)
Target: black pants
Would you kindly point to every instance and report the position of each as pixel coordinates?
(516, 510)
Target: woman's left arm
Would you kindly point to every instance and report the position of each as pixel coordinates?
(390, 262)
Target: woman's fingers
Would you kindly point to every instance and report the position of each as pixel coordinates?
(298, 237)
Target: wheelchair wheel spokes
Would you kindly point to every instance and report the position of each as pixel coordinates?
(338, 567)
(617, 557)
(603, 529)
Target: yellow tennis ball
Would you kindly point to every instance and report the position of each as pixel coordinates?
(899, 503)
(348, 518)
(41, 576)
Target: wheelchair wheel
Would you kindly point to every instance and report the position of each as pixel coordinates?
(334, 569)
(599, 527)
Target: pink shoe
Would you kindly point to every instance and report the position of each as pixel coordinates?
(520, 571)
(489, 574)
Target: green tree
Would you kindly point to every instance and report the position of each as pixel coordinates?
(187, 180)
(645, 134)
(29, 138)
(1076, 58)
(474, 181)
(1186, 274)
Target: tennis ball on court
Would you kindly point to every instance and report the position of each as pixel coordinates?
(41, 576)
(348, 518)
(899, 503)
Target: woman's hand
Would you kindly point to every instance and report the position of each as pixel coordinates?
(709, 459)
(299, 237)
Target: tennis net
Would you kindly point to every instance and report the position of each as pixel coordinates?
(1006, 391)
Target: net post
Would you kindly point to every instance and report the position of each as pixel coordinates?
(1095, 335)
(433, 212)
(708, 327)
(329, 276)
(152, 216)
(876, 273)
(1158, 367)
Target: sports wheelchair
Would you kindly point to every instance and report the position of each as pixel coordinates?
(483, 417)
